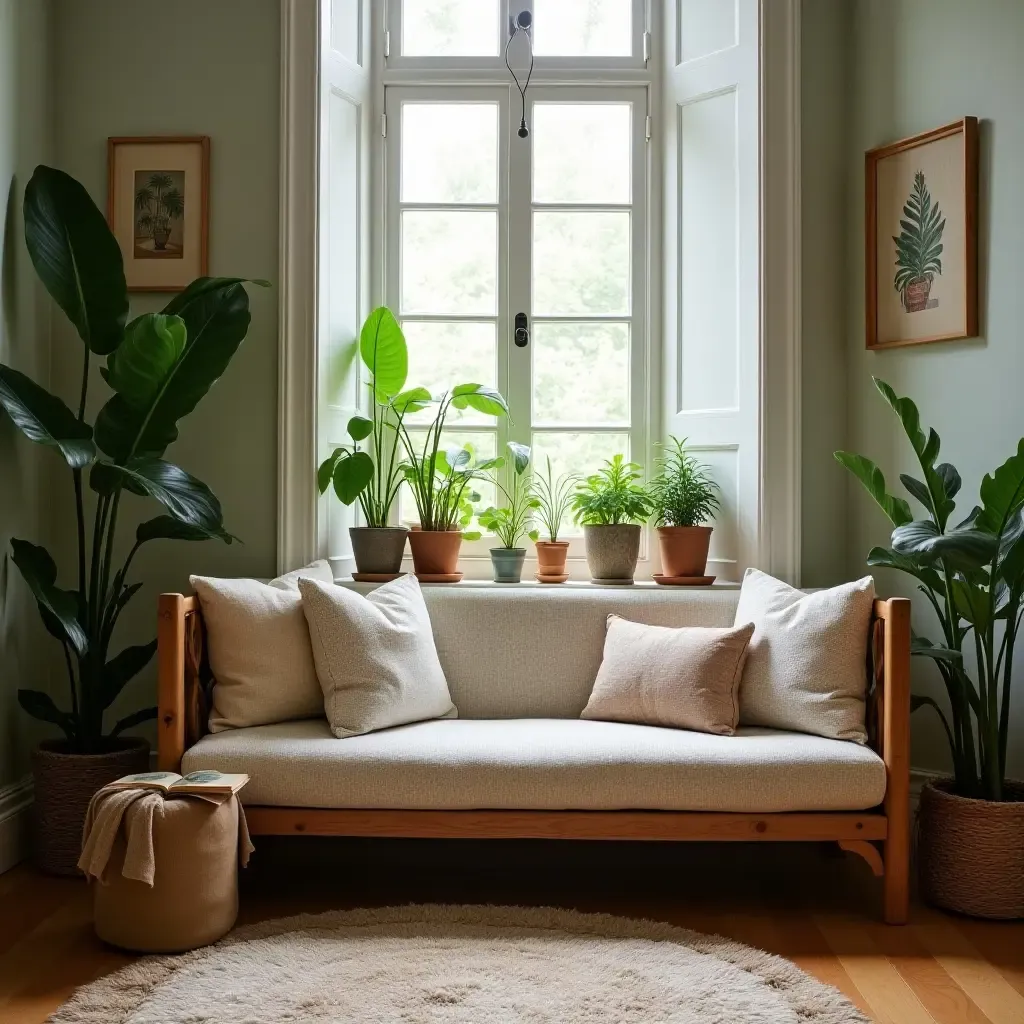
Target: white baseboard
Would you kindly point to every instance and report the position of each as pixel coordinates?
(15, 815)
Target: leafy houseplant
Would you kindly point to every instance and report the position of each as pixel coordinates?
(157, 203)
(375, 480)
(918, 247)
(972, 575)
(554, 503)
(441, 479)
(513, 521)
(611, 505)
(159, 366)
(684, 497)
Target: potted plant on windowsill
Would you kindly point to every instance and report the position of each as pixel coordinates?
(612, 505)
(441, 479)
(971, 826)
(554, 503)
(159, 366)
(684, 498)
(513, 521)
(378, 545)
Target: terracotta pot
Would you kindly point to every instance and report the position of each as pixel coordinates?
(684, 549)
(916, 297)
(508, 564)
(435, 552)
(64, 785)
(378, 549)
(971, 852)
(612, 551)
(551, 555)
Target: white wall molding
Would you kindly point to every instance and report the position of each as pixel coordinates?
(297, 359)
(780, 484)
(15, 822)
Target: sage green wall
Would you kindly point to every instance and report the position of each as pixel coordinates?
(25, 140)
(918, 64)
(191, 67)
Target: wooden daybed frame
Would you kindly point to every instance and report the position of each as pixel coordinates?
(881, 836)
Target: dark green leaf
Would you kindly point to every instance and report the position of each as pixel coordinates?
(45, 419)
(41, 707)
(908, 415)
(325, 471)
(122, 668)
(950, 479)
(40, 573)
(971, 602)
(963, 549)
(883, 558)
(924, 648)
(383, 350)
(351, 475)
(917, 489)
(76, 257)
(122, 599)
(169, 528)
(359, 427)
(1002, 493)
(139, 367)
(896, 509)
(201, 286)
(134, 719)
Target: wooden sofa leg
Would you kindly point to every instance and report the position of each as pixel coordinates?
(867, 851)
(897, 876)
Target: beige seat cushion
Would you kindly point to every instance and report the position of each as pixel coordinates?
(375, 656)
(259, 649)
(545, 764)
(684, 678)
(807, 661)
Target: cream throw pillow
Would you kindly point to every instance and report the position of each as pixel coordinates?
(259, 649)
(375, 656)
(807, 665)
(684, 678)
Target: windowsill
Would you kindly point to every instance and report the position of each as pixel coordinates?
(568, 585)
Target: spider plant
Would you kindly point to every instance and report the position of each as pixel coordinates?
(683, 493)
(513, 521)
(554, 498)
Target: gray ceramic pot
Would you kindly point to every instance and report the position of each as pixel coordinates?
(612, 551)
(508, 564)
(378, 549)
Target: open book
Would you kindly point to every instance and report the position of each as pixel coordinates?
(173, 783)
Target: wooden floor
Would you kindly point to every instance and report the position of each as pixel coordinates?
(813, 905)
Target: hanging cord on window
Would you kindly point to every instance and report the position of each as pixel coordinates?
(522, 24)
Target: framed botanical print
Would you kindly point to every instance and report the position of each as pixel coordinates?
(157, 200)
(921, 242)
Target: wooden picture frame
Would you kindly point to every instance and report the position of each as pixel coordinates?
(158, 208)
(921, 238)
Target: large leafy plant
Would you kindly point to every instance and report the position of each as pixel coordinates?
(972, 575)
(375, 480)
(513, 520)
(441, 477)
(919, 243)
(554, 498)
(683, 493)
(612, 496)
(159, 366)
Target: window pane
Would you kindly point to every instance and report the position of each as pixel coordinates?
(450, 28)
(581, 374)
(442, 355)
(484, 444)
(450, 152)
(580, 263)
(580, 453)
(565, 138)
(449, 262)
(582, 28)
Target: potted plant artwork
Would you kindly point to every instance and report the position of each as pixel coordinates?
(441, 479)
(684, 499)
(512, 522)
(918, 247)
(158, 367)
(611, 505)
(554, 504)
(157, 203)
(971, 573)
(374, 479)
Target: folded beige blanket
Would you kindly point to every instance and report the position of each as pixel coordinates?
(136, 808)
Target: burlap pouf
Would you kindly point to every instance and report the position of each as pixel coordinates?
(194, 897)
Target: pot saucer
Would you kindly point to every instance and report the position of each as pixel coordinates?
(553, 578)
(684, 581)
(439, 577)
(614, 583)
(376, 577)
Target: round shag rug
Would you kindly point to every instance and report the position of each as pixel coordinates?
(443, 964)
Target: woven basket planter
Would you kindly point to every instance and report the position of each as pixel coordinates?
(64, 785)
(971, 852)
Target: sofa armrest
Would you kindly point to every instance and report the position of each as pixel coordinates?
(182, 678)
(891, 656)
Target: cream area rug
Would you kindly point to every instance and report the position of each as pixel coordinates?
(449, 965)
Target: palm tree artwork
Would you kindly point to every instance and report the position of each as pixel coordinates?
(918, 247)
(159, 201)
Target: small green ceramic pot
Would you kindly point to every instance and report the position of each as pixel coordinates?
(508, 564)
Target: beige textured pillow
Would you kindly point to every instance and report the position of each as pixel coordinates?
(259, 649)
(807, 665)
(375, 656)
(684, 678)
